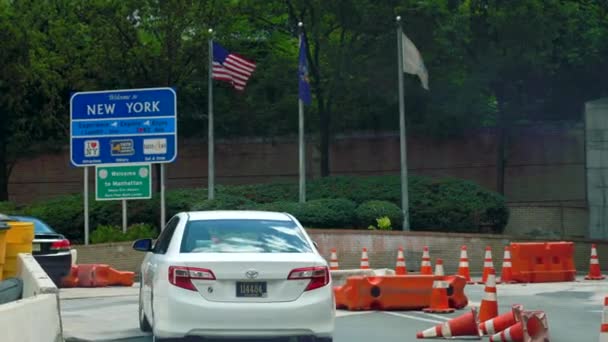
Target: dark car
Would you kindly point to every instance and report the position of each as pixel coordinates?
(50, 249)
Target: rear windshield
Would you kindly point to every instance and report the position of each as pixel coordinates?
(243, 236)
(39, 226)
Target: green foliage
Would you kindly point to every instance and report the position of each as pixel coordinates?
(112, 233)
(320, 213)
(263, 193)
(456, 206)
(369, 212)
(107, 233)
(7, 208)
(65, 214)
(141, 231)
(435, 204)
(221, 202)
(384, 223)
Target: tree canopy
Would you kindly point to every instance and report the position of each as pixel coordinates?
(491, 63)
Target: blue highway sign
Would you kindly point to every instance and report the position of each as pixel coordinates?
(123, 126)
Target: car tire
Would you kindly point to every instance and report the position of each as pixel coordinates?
(144, 324)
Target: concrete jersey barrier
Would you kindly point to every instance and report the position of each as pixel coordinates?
(36, 317)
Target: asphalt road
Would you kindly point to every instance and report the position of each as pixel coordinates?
(573, 311)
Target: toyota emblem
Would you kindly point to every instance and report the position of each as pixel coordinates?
(251, 274)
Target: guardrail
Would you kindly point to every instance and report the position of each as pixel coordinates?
(36, 317)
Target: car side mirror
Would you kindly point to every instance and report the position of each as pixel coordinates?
(143, 245)
(316, 244)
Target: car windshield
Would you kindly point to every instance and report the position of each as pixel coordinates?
(243, 236)
(39, 226)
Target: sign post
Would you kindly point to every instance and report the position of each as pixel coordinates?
(122, 127)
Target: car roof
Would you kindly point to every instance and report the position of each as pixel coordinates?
(238, 215)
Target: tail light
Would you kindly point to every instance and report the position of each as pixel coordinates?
(319, 276)
(63, 245)
(181, 276)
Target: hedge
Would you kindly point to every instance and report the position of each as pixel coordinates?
(368, 212)
(333, 202)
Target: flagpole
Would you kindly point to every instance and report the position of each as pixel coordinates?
(402, 135)
(301, 145)
(210, 154)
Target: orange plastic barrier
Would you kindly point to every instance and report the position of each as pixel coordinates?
(403, 292)
(99, 275)
(71, 280)
(542, 262)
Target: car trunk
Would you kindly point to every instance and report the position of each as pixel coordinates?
(42, 243)
(236, 280)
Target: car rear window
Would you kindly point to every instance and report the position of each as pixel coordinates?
(243, 236)
(39, 226)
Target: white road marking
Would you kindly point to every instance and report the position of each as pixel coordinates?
(412, 317)
(438, 316)
(344, 313)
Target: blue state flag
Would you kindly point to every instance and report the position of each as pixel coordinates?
(303, 79)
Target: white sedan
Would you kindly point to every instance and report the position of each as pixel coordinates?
(236, 274)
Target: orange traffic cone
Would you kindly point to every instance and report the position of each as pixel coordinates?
(604, 326)
(425, 266)
(487, 265)
(506, 275)
(333, 260)
(464, 325)
(489, 303)
(400, 268)
(463, 266)
(531, 326)
(364, 260)
(500, 323)
(594, 266)
(514, 333)
(440, 302)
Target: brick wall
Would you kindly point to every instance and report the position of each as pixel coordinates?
(545, 163)
(382, 248)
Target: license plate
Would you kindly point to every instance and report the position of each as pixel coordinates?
(35, 247)
(251, 289)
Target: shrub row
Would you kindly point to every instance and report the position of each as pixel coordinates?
(333, 202)
(110, 233)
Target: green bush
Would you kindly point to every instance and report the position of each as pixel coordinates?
(65, 214)
(456, 205)
(368, 212)
(321, 213)
(7, 208)
(111, 233)
(263, 193)
(107, 233)
(221, 202)
(384, 223)
(141, 231)
(435, 205)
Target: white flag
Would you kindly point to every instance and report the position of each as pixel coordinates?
(412, 62)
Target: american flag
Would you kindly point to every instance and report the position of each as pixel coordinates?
(231, 68)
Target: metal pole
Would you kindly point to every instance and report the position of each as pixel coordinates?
(210, 154)
(86, 205)
(162, 197)
(124, 216)
(403, 146)
(301, 143)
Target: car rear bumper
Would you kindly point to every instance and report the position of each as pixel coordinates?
(56, 266)
(187, 313)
